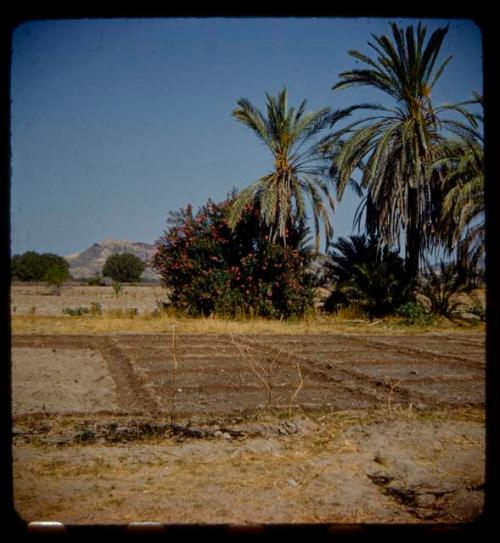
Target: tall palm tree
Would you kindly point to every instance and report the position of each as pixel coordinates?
(292, 136)
(460, 162)
(393, 146)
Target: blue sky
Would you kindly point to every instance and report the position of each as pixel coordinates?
(116, 122)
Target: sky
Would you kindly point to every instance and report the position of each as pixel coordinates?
(116, 122)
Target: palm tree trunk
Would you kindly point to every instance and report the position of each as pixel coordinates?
(413, 236)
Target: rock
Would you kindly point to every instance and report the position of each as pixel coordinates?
(304, 425)
(381, 458)
(292, 429)
(466, 505)
(292, 482)
(425, 500)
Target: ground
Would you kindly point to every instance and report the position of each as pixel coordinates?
(249, 428)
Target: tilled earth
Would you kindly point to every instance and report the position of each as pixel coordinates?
(249, 429)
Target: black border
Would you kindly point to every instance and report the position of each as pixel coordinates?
(488, 523)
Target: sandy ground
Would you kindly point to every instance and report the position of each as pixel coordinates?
(381, 430)
(26, 297)
(61, 380)
(304, 470)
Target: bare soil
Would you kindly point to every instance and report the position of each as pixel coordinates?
(249, 429)
(25, 297)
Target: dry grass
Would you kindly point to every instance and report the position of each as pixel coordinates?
(114, 322)
(138, 310)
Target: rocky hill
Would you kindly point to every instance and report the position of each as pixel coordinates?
(91, 261)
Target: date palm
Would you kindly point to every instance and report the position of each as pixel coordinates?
(460, 162)
(358, 272)
(394, 145)
(298, 175)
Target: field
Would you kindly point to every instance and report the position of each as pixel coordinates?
(239, 423)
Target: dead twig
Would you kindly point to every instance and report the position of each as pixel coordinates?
(174, 377)
(294, 395)
(264, 374)
(392, 386)
(374, 323)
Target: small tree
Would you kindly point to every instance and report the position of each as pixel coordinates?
(55, 277)
(124, 268)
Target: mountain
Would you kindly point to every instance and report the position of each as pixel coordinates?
(91, 261)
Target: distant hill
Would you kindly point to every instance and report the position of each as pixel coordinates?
(91, 261)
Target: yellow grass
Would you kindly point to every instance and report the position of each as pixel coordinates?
(144, 324)
(34, 311)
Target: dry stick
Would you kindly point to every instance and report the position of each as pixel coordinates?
(248, 356)
(174, 375)
(297, 391)
(374, 323)
(392, 387)
(269, 370)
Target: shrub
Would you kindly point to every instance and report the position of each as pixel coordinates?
(95, 281)
(124, 268)
(32, 266)
(478, 309)
(414, 313)
(361, 273)
(76, 312)
(96, 308)
(210, 268)
(117, 288)
(442, 287)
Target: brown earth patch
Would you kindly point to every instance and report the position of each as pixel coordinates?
(369, 430)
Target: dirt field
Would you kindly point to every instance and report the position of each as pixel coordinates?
(25, 297)
(250, 428)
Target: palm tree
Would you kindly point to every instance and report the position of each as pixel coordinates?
(359, 272)
(299, 172)
(460, 162)
(393, 146)
(442, 285)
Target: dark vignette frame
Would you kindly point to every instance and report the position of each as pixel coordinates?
(488, 523)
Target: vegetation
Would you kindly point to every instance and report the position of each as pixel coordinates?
(76, 312)
(32, 266)
(95, 281)
(361, 273)
(415, 313)
(210, 268)
(394, 147)
(55, 277)
(117, 288)
(460, 162)
(418, 169)
(292, 136)
(123, 268)
(442, 288)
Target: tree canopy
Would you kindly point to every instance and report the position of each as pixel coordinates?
(293, 138)
(123, 267)
(394, 146)
(33, 266)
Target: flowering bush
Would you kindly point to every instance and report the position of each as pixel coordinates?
(209, 268)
